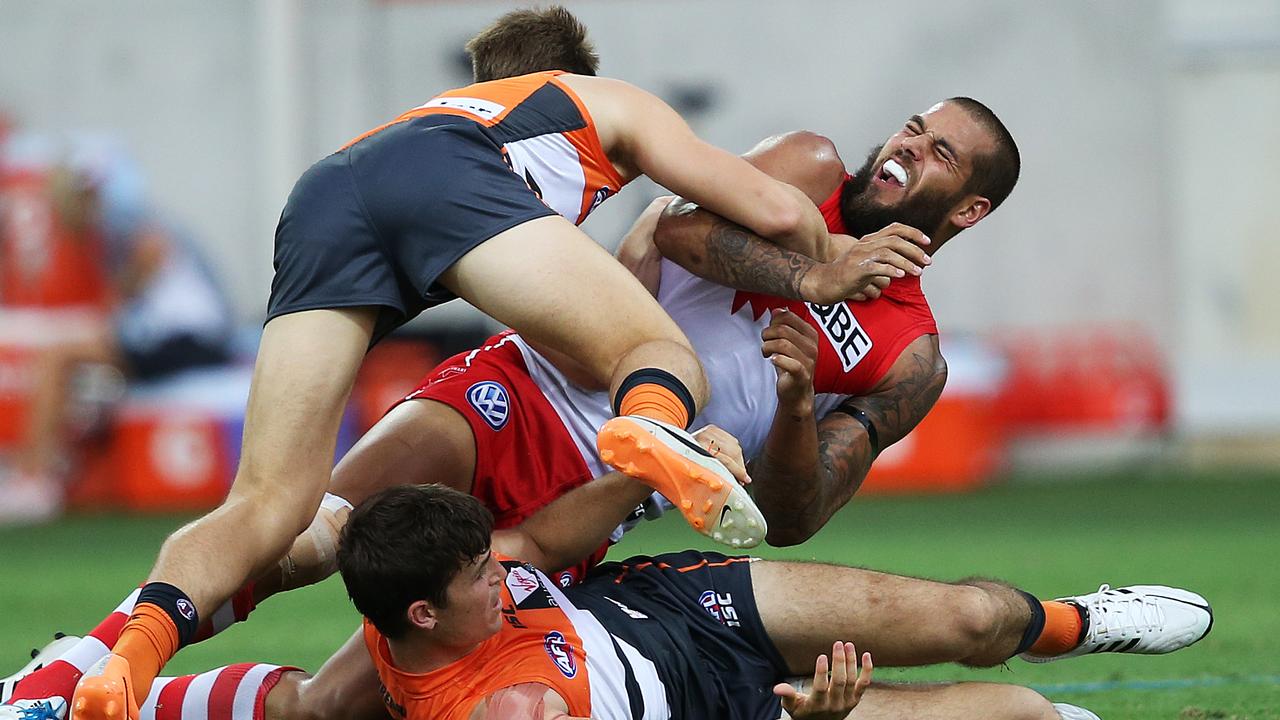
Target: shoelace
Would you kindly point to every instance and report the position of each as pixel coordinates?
(39, 711)
(1115, 613)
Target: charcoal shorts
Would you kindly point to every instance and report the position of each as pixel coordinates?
(375, 224)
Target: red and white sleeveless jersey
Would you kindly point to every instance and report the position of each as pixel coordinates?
(544, 639)
(858, 343)
(546, 136)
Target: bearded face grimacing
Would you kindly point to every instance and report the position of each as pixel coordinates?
(925, 209)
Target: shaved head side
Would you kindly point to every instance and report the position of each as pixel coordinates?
(994, 173)
(532, 40)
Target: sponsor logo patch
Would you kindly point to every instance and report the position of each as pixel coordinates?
(721, 607)
(850, 341)
(561, 653)
(484, 109)
(600, 196)
(522, 583)
(187, 610)
(489, 399)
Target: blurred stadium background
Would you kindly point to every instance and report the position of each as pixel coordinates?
(1112, 409)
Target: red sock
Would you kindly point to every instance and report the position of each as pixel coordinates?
(59, 678)
(1061, 629)
(235, 610)
(235, 692)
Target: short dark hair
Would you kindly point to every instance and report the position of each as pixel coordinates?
(406, 544)
(532, 40)
(996, 172)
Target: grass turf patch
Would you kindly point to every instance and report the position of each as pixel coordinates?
(1216, 535)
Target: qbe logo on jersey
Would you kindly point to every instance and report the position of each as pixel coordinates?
(490, 400)
(721, 607)
(850, 341)
(561, 653)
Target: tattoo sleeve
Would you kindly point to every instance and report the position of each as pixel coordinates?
(899, 408)
(803, 477)
(738, 259)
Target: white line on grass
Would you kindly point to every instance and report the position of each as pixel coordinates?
(1166, 684)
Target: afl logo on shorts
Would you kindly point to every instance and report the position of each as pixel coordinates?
(489, 399)
(721, 607)
(561, 653)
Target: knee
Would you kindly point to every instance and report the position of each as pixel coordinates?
(1022, 703)
(276, 519)
(977, 619)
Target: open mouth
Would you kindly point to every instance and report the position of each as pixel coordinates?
(892, 173)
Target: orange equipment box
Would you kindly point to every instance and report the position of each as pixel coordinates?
(958, 446)
(169, 460)
(962, 442)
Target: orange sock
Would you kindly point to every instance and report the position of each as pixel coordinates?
(654, 401)
(1061, 629)
(148, 641)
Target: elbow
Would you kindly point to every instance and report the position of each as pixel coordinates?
(672, 238)
(784, 221)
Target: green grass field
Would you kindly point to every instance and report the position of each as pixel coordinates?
(1218, 535)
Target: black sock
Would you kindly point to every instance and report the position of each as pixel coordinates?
(176, 605)
(656, 376)
(1035, 626)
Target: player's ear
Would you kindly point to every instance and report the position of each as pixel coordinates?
(969, 211)
(422, 614)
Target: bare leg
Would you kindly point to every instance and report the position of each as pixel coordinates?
(418, 442)
(550, 282)
(346, 687)
(900, 620)
(306, 365)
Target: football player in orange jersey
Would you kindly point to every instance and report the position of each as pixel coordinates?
(462, 624)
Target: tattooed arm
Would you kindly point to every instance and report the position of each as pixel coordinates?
(808, 470)
(727, 254)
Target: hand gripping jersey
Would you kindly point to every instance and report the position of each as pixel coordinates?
(858, 343)
(544, 639)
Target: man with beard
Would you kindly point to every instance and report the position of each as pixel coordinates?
(942, 172)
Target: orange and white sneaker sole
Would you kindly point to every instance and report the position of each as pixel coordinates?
(670, 461)
(104, 693)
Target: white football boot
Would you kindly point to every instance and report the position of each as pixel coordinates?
(1141, 619)
(39, 658)
(50, 708)
(672, 462)
(1072, 712)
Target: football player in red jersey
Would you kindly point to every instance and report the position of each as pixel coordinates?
(944, 171)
